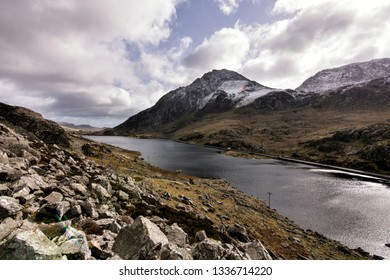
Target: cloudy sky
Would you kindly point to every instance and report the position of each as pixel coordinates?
(99, 62)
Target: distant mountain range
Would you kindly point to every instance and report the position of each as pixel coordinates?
(82, 127)
(225, 109)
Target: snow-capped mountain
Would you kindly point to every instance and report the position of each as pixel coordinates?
(215, 91)
(350, 74)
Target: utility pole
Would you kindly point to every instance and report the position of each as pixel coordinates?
(269, 199)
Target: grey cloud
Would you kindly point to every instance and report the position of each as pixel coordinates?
(311, 26)
(279, 69)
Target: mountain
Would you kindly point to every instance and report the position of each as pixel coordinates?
(351, 74)
(82, 127)
(33, 124)
(225, 109)
(215, 92)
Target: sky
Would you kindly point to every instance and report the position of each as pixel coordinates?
(100, 62)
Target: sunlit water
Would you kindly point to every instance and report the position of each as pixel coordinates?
(347, 207)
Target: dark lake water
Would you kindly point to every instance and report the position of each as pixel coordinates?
(347, 207)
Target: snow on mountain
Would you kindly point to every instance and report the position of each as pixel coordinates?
(350, 74)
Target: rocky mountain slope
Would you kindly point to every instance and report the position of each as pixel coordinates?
(92, 201)
(347, 75)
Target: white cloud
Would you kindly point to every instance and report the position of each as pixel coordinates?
(226, 48)
(228, 7)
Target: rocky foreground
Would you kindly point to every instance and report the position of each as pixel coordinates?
(80, 200)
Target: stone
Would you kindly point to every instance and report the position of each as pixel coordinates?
(74, 245)
(208, 249)
(4, 158)
(54, 197)
(54, 229)
(100, 191)
(239, 233)
(7, 173)
(6, 227)
(387, 245)
(200, 236)
(176, 235)
(121, 195)
(30, 245)
(74, 211)
(22, 193)
(137, 240)
(256, 251)
(4, 190)
(9, 207)
(89, 208)
(79, 188)
(173, 252)
(53, 211)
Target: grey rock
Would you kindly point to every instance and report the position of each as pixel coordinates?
(173, 252)
(79, 188)
(54, 197)
(6, 227)
(74, 245)
(53, 211)
(22, 193)
(54, 229)
(33, 181)
(238, 232)
(30, 245)
(200, 236)
(121, 195)
(176, 235)
(208, 249)
(137, 240)
(256, 251)
(100, 191)
(89, 208)
(9, 207)
(4, 190)
(3, 157)
(7, 173)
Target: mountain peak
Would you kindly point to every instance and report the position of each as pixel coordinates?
(346, 75)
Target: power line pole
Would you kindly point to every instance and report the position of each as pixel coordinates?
(269, 199)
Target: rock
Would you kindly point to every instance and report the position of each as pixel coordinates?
(387, 245)
(54, 229)
(256, 251)
(239, 233)
(176, 235)
(121, 195)
(137, 240)
(208, 249)
(74, 211)
(376, 257)
(173, 252)
(6, 227)
(54, 197)
(3, 158)
(100, 191)
(90, 226)
(22, 193)
(4, 190)
(9, 207)
(30, 245)
(73, 243)
(53, 211)
(79, 188)
(200, 236)
(89, 208)
(7, 173)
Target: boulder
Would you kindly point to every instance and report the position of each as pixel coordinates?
(238, 232)
(200, 236)
(54, 197)
(6, 227)
(9, 207)
(8, 173)
(208, 249)
(30, 245)
(100, 191)
(3, 157)
(74, 245)
(89, 208)
(4, 190)
(138, 240)
(53, 211)
(256, 251)
(173, 252)
(176, 235)
(79, 188)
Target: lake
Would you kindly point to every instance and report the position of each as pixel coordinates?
(351, 208)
